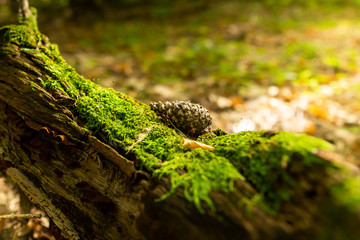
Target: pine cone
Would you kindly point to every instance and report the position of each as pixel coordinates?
(190, 118)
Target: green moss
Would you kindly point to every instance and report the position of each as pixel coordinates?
(205, 172)
(266, 158)
(198, 171)
(18, 34)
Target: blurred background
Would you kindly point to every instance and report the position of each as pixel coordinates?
(287, 65)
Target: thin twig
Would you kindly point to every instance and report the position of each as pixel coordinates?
(141, 137)
(24, 9)
(25, 215)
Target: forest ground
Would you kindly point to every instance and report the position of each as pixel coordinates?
(253, 66)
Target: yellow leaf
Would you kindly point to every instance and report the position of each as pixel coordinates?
(192, 144)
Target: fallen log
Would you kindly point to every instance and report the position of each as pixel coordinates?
(102, 165)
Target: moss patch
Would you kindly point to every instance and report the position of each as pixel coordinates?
(267, 159)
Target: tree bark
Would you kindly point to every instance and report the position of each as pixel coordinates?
(93, 190)
(83, 185)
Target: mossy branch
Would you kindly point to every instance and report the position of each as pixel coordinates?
(276, 178)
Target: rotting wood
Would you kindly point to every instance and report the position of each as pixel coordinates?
(37, 196)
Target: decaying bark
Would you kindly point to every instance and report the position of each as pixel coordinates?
(92, 191)
(76, 183)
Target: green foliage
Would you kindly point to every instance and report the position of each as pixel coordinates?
(272, 42)
(200, 48)
(194, 58)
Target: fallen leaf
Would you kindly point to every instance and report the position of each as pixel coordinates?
(310, 129)
(140, 137)
(236, 100)
(318, 111)
(192, 144)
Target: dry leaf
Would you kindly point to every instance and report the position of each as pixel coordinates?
(310, 129)
(192, 144)
(141, 137)
(236, 100)
(318, 111)
(288, 94)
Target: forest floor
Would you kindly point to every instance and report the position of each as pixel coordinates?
(253, 66)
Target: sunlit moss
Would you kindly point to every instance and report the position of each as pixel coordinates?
(264, 158)
(200, 173)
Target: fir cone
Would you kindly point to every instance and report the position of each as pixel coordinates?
(190, 118)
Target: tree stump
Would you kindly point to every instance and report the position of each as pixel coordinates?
(103, 166)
